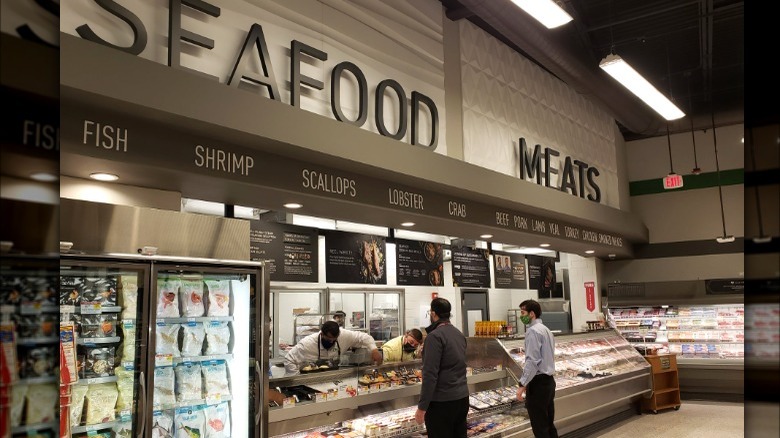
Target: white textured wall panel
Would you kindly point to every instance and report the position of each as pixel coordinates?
(506, 96)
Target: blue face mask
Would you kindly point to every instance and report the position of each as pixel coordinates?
(326, 344)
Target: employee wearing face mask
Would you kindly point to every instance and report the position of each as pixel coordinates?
(326, 346)
(403, 347)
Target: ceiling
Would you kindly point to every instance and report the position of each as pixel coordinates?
(692, 51)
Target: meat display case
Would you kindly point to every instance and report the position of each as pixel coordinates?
(598, 373)
(709, 341)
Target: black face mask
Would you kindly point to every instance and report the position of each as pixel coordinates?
(408, 348)
(326, 344)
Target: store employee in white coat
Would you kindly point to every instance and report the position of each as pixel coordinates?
(327, 345)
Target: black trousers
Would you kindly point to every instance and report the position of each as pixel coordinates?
(447, 419)
(539, 401)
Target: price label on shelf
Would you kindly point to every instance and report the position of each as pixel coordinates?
(213, 399)
(320, 397)
(289, 402)
(163, 360)
(499, 367)
(125, 415)
(91, 308)
(469, 371)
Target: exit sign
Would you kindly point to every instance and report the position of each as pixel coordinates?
(673, 181)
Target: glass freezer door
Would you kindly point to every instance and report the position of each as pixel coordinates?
(201, 335)
(106, 300)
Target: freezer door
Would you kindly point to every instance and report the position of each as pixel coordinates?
(201, 338)
(107, 300)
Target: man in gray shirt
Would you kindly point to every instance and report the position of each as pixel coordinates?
(444, 396)
(537, 382)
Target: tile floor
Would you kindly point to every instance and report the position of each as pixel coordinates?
(702, 419)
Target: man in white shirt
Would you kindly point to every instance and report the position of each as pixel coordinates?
(327, 345)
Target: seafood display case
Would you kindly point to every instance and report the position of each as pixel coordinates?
(599, 375)
(163, 345)
(709, 341)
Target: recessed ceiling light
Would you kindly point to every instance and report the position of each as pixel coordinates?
(486, 236)
(743, 139)
(102, 176)
(407, 224)
(544, 245)
(590, 251)
(44, 176)
(293, 205)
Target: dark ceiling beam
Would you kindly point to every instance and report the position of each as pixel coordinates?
(458, 13)
(641, 16)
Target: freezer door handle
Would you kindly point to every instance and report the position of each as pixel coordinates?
(258, 402)
(142, 410)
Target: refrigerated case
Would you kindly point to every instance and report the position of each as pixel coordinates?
(29, 338)
(164, 344)
(709, 341)
(286, 304)
(598, 375)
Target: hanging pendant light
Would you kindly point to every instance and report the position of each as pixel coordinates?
(724, 238)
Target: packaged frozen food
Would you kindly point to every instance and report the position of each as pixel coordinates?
(41, 403)
(215, 378)
(70, 291)
(35, 326)
(100, 403)
(218, 421)
(125, 385)
(99, 290)
(217, 337)
(168, 297)
(94, 434)
(127, 351)
(188, 382)
(162, 424)
(102, 325)
(192, 297)
(189, 422)
(18, 397)
(164, 384)
(193, 334)
(77, 395)
(98, 361)
(128, 295)
(37, 360)
(167, 339)
(123, 430)
(219, 297)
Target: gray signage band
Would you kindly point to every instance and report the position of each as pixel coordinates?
(98, 133)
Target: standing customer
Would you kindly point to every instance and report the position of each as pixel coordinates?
(444, 397)
(537, 381)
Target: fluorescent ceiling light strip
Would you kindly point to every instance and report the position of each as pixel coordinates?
(619, 69)
(546, 12)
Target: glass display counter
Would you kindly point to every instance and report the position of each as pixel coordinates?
(598, 373)
(709, 341)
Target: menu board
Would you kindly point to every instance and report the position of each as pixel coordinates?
(509, 271)
(419, 263)
(541, 273)
(290, 251)
(470, 267)
(355, 258)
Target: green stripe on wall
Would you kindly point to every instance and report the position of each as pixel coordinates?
(690, 182)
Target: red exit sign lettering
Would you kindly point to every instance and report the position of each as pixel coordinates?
(673, 181)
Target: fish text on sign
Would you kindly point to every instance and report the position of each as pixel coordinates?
(42, 135)
(224, 161)
(105, 136)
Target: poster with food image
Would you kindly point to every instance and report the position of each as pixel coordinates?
(541, 273)
(509, 270)
(355, 258)
(419, 263)
(470, 267)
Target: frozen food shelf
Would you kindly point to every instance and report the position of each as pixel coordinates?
(180, 320)
(185, 359)
(193, 403)
(38, 340)
(35, 309)
(93, 341)
(37, 380)
(93, 427)
(93, 380)
(30, 428)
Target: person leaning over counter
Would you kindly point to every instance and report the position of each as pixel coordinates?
(402, 348)
(327, 345)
